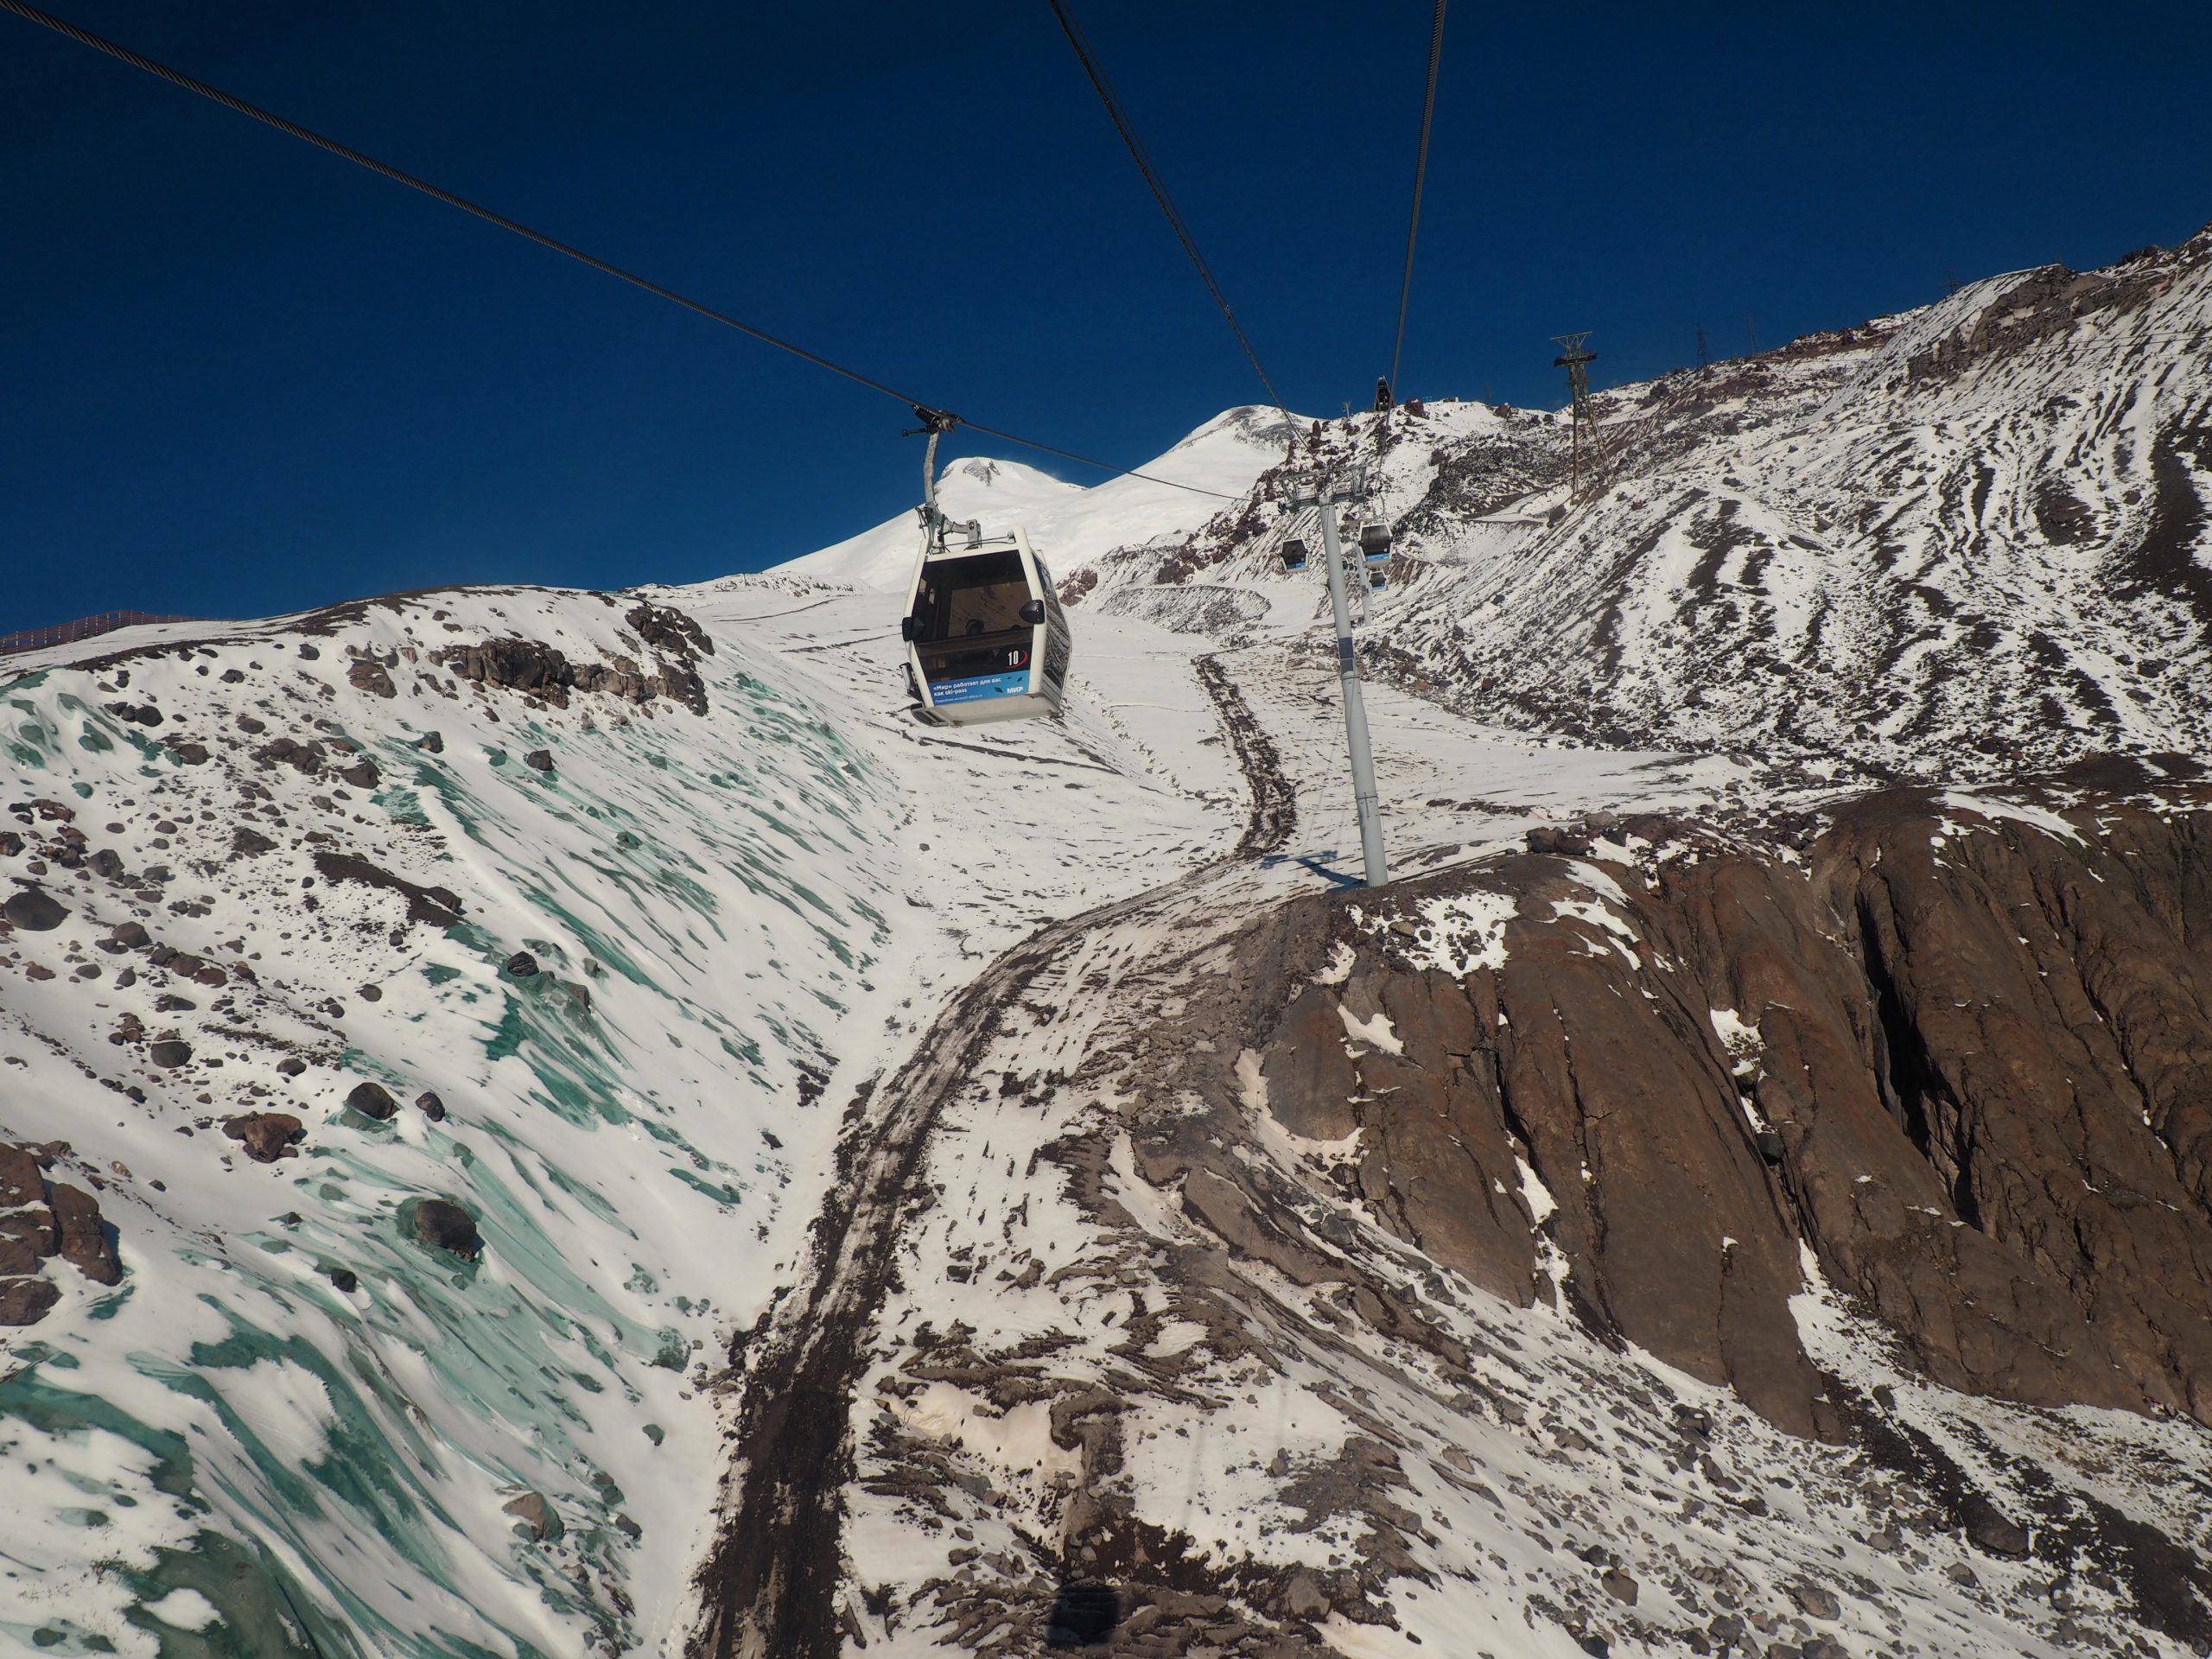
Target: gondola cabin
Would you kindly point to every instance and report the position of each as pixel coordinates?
(986, 639)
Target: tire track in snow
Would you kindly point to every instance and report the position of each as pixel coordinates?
(768, 1588)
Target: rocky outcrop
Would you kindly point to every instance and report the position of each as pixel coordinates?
(40, 1220)
(1965, 1057)
(545, 673)
(439, 906)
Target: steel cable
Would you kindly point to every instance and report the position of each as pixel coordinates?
(1420, 178)
(346, 152)
(1128, 129)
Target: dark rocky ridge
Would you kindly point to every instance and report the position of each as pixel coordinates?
(1981, 1093)
(40, 1220)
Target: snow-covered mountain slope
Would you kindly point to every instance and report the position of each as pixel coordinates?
(639, 953)
(1068, 525)
(1970, 538)
(538, 1123)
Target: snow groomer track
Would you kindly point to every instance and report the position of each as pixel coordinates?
(771, 1585)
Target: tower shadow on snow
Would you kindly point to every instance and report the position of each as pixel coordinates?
(1083, 1614)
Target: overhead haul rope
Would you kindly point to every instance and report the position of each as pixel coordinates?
(1123, 125)
(346, 152)
(1420, 178)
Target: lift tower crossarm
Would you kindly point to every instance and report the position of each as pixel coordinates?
(1583, 417)
(1328, 495)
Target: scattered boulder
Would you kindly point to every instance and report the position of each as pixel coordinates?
(26, 1300)
(535, 1515)
(373, 1100)
(131, 935)
(34, 910)
(171, 1051)
(1814, 1602)
(1989, 1529)
(1303, 1599)
(82, 1237)
(362, 774)
(1621, 1586)
(344, 1280)
(521, 965)
(431, 743)
(367, 674)
(267, 1136)
(431, 1106)
(290, 1066)
(247, 843)
(445, 1225)
(539, 759)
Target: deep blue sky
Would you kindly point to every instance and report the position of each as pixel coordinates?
(238, 376)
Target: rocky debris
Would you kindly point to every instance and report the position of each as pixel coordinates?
(431, 1106)
(431, 743)
(445, 1226)
(539, 759)
(130, 935)
(40, 1220)
(438, 906)
(521, 965)
(171, 1051)
(247, 843)
(535, 1515)
(267, 1136)
(307, 758)
(372, 1099)
(1621, 1586)
(34, 910)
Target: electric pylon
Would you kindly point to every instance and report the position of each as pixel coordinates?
(1583, 421)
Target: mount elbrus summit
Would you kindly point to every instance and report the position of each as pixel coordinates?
(543, 1122)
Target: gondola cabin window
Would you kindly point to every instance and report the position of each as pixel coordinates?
(970, 617)
(982, 625)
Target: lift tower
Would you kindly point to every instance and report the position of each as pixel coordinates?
(1330, 495)
(1583, 421)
